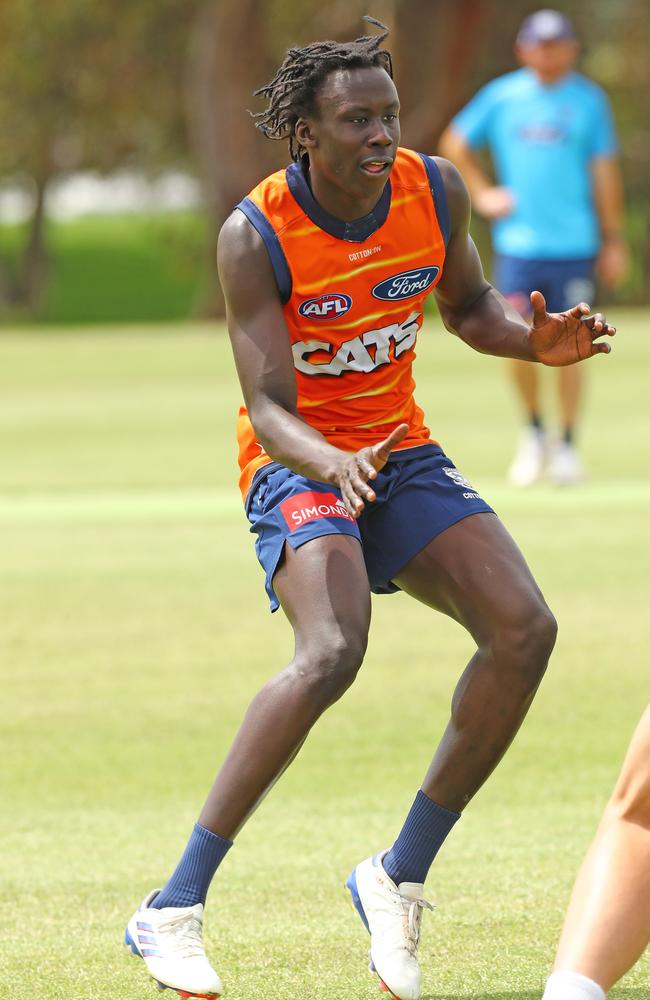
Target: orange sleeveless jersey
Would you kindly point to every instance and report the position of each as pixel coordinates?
(353, 296)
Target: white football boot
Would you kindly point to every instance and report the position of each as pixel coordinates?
(565, 467)
(530, 459)
(392, 915)
(169, 942)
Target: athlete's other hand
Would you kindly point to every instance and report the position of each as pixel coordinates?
(560, 339)
(356, 469)
(494, 202)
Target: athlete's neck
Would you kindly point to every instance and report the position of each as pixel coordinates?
(339, 203)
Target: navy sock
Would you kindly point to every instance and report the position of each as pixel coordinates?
(567, 437)
(191, 879)
(420, 839)
(536, 421)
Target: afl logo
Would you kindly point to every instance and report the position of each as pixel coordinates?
(329, 306)
(406, 284)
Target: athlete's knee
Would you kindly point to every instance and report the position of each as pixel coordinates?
(330, 665)
(526, 640)
(630, 800)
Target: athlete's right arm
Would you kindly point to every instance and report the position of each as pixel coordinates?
(262, 351)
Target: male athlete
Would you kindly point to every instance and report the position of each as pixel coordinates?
(326, 267)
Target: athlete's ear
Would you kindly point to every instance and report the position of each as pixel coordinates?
(305, 134)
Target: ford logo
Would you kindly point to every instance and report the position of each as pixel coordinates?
(329, 306)
(406, 284)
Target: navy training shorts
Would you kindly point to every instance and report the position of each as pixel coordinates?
(419, 491)
(563, 283)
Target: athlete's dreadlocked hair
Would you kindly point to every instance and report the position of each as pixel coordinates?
(292, 91)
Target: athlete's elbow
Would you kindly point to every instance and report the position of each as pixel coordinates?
(269, 419)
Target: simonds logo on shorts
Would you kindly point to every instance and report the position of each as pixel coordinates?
(307, 507)
(406, 284)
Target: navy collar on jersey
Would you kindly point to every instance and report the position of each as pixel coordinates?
(354, 232)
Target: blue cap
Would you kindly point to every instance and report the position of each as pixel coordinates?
(545, 26)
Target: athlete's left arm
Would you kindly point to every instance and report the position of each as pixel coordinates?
(471, 308)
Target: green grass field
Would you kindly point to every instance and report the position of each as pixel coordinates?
(134, 631)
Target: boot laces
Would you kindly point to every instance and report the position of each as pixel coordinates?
(413, 921)
(183, 933)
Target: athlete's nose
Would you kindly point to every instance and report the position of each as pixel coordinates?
(381, 135)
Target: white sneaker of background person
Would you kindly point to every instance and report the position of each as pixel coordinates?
(565, 467)
(530, 459)
(170, 944)
(393, 916)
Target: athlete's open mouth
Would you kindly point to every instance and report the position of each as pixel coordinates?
(376, 167)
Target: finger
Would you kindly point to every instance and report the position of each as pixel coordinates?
(366, 467)
(353, 503)
(362, 488)
(579, 311)
(538, 302)
(601, 328)
(384, 448)
(601, 347)
(596, 323)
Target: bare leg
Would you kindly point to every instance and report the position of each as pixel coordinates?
(323, 589)
(607, 926)
(570, 386)
(526, 381)
(475, 573)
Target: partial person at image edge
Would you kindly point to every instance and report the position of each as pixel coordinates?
(607, 925)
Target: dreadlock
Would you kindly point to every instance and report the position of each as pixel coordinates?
(292, 91)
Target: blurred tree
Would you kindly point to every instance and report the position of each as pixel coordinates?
(237, 45)
(85, 85)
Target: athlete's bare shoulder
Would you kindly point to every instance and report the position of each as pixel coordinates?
(243, 261)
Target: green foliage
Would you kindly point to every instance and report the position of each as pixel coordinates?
(135, 630)
(131, 268)
(88, 84)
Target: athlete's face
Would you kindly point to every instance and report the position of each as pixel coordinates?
(352, 139)
(550, 60)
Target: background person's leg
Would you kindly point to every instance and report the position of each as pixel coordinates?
(564, 465)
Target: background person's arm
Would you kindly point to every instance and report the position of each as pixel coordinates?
(489, 199)
(613, 258)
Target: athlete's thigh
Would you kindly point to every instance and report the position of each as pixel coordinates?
(323, 589)
(475, 573)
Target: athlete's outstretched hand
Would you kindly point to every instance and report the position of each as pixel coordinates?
(356, 469)
(560, 339)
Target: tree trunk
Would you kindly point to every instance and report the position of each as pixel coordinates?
(430, 74)
(227, 60)
(33, 270)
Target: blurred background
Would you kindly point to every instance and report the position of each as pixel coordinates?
(125, 139)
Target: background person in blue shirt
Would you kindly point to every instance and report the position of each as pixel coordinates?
(556, 208)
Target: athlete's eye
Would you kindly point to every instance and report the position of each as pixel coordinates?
(391, 117)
